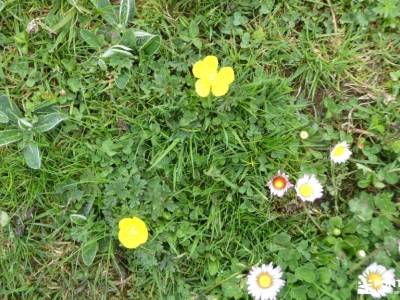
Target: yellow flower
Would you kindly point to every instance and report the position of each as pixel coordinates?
(132, 232)
(210, 79)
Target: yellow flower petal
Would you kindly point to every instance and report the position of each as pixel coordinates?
(199, 70)
(219, 88)
(211, 63)
(226, 74)
(133, 232)
(125, 222)
(203, 87)
(127, 241)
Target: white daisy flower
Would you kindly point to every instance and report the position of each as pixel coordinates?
(264, 283)
(308, 188)
(376, 281)
(279, 184)
(340, 153)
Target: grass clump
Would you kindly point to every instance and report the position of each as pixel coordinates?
(138, 141)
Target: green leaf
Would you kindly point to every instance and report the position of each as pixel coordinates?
(3, 118)
(122, 80)
(126, 11)
(213, 267)
(2, 5)
(77, 219)
(9, 108)
(379, 225)
(118, 49)
(32, 156)
(148, 43)
(324, 275)
(4, 218)
(384, 202)
(48, 122)
(9, 136)
(306, 273)
(89, 251)
(90, 38)
(362, 207)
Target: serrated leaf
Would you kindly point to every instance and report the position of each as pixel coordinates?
(48, 122)
(9, 108)
(89, 251)
(361, 207)
(3, 118)
(126, 11)
(90, 38)
(32, 156)
(306, 273)
(9, 136)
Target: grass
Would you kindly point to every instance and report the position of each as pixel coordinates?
(195, 169)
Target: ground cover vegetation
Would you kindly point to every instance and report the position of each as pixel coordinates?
(101, 119)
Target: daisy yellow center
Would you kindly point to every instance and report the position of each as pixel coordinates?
(306, 190)
(339, 151)
(375, 281)
(279, 183)
(264, 280)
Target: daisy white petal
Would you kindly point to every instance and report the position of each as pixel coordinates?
(265, 282)
(308, 188)
(376, 281)
(340, 153)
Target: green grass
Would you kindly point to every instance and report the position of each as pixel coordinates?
(195, 169)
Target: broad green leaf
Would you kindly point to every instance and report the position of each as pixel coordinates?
(121, 49)
(90, 38)
(106, 10)
(77, 219)
(3, 118)
(10, 136)
(306, 273)
(361, 207)
(2, 5)
(4, 218)
(48, 122)
(24, 124)
(9, 108)
(126, 11)
(148, 43)
(32, 156)
(89, 251)
(122, 80)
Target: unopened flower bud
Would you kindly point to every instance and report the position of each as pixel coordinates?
(304, 135)
(361, 254)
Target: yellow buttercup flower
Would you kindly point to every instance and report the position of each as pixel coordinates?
(210, 79)
(132, 232)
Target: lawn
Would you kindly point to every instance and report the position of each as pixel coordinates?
(101, 119)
